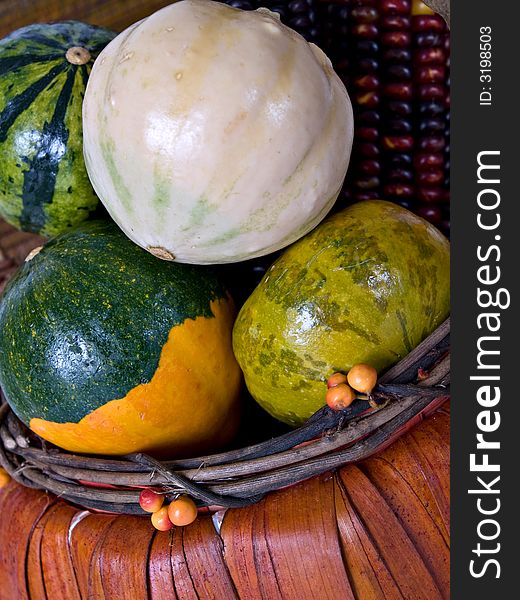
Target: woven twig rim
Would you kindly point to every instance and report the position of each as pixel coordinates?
(240, 477)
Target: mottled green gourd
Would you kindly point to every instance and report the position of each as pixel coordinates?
(44, 68)
(366, 286)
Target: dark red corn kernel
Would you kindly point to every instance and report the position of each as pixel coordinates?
(444, 226)
(343, 31)
(365, 30)
(399, 160)
(367, 65)
(399, 55)
(431, 91)
(402, 175)
(431, 74)
(367, 184)
(401, 72)
(364, 14)
(401, 109)
(399, 91)
(428, 23)
(399, 126)
(429, 56)
(368, 150)
(368, 195)
(432, 143)
(242, 4)
(312, 34)
(428, 40)
(399, 190)
(401, 143)
(299, 6)
(431, 109)
(367, 134)
(433, 177)
(367, 82)
(301, 22)
(368, 117)
(427, 161)
(342, 65)
(394, 22)
(436, 126)
(369, 167)
(338, 12)
(433, 213)
(368, 99)
(405, 203)
(396, 39)
(430, 195)
(366, 47)
(399, 7)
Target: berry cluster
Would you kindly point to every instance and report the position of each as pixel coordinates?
(341, 388)
(182, 511)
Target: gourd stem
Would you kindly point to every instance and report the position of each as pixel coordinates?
(77, 55)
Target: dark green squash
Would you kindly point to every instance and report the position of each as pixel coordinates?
(44, 68)
(106, 349)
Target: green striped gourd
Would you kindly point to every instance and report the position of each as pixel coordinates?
(44, 68)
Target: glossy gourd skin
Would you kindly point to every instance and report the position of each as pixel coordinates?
(366, 286)
(106, 349)
(44, 187)
(215, 135)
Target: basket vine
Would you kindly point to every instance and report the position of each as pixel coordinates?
(414, 387)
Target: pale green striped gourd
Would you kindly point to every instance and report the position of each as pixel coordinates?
(215, 135)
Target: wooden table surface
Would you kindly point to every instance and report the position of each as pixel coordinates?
(114, 14)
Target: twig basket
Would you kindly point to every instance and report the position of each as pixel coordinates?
(414, 387)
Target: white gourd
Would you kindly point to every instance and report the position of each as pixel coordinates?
(214, 135)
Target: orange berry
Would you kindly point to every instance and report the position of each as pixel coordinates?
(340, 396)
(362, 378)
(150, 501)
(182, 511)
(4, 478)
(335, 379)
(160, 519)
